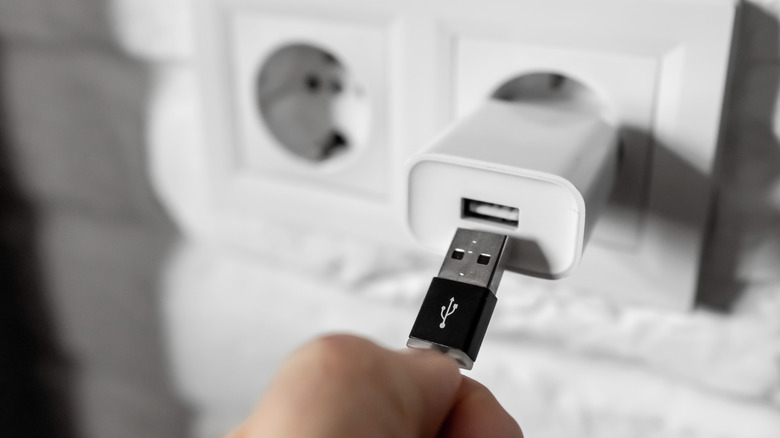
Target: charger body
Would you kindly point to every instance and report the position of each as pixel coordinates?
(540, 174)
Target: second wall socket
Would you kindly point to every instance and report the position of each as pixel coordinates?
(625, 82)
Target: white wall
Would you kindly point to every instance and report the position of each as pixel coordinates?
(94, 89)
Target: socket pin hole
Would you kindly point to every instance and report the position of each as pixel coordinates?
(311, 104)
(312, 83)
(483, 259)
(458, 254)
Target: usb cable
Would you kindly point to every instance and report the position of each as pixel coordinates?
(456, 311)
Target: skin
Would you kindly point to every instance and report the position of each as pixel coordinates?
(343, 387)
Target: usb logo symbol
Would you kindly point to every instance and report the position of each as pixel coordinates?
(447, 311)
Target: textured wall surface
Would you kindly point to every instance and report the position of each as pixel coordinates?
(92, 88)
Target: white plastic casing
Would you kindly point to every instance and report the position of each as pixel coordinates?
(556, 165)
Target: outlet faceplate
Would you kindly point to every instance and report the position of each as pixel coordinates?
(359, 50)
(662, 66)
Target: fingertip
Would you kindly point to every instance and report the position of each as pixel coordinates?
(435, 368)
(432, 358)
(478, 413)
(437, 379)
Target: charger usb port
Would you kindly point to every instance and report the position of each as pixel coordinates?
(486, 211)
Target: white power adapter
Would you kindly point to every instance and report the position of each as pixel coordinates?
(519, 186)
(539, 173)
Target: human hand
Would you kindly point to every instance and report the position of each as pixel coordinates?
(347, 387)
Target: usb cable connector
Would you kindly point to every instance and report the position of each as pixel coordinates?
(456, 311)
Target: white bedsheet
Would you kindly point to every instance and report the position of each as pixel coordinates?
(564, 365)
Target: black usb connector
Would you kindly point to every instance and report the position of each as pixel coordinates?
(456, 311)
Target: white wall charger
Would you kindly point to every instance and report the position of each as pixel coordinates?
(539, 173)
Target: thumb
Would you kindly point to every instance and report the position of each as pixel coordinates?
(344, 386)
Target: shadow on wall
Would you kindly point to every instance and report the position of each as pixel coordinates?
(35, 377)
(748, 162)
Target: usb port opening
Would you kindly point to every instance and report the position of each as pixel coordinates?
(488, 212)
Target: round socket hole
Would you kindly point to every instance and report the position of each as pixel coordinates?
(312, 104)
(551, 88)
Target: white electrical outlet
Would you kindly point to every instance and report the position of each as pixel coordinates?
(665, 89)
(297, 103)
(299, 82)
(408, 68)
(626, 83)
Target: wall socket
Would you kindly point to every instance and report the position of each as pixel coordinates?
(405, 69)
(309, 101)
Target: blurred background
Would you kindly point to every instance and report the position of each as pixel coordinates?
(117, 320)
